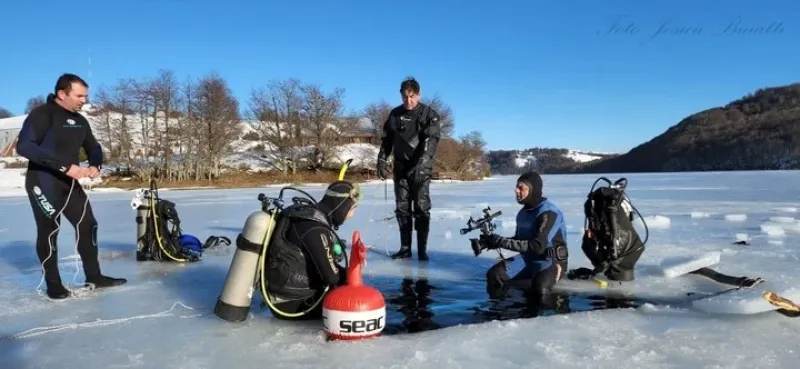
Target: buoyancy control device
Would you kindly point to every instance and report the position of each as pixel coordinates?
(610, 240)
(159, 236)
(247, 272)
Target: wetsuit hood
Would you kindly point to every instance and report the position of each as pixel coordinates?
(534, 183)
(339, 198)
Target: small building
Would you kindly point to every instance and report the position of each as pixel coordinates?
(9, 131)
(365, 132)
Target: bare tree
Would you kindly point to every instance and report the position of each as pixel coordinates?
(377, 113)
(121, 101)
(4, 113)
(464, 156)
(34, 102)
(104, 131)
(446, 118)
(323, 122)
(277, 107)
(217, 121)
(164, 91)
(187, 143)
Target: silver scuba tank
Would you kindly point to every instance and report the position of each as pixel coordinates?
(142, 220)
(234, 302)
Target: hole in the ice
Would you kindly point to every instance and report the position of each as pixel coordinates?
(418, 304)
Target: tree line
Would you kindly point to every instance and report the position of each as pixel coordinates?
(177, 129)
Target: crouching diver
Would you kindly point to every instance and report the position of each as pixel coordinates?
(540, 238)
(610, 241)
(304, 253)
(612, 244)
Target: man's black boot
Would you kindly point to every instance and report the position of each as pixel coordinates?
(56, 290)
(101, 281)
(52, 276)
(404, 253)
(423, 228)
(422, 245)
(405, 242)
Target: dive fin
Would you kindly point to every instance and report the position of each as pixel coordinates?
(781, 302)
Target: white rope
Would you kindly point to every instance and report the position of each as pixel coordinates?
(98, 323)
(386, 212)
(80, 292)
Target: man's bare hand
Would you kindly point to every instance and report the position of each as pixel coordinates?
(77, 172)
(93, 172)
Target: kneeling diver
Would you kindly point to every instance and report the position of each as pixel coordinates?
(302, 259)
(540, 238)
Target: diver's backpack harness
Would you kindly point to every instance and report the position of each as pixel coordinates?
(300, 208)
(160, 237)
(601, 209)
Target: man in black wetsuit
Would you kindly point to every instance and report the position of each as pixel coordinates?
(540, 238)
(412, 134)
(51, 138)
(304, 250)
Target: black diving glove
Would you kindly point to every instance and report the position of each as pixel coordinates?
(580, 273)
(491, 241)
(423, 169)
(383, 171)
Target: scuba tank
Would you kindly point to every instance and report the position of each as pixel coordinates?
(141, 203)
(234, 302)
(249, 259)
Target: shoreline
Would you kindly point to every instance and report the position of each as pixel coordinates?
(13, 182)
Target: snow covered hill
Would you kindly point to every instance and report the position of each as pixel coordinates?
(524, 158)
(542, 159)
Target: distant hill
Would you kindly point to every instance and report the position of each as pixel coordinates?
(544, 160)
(760, 131)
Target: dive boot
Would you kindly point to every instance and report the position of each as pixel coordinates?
(423, 224)
(404, 253)
(56, 290)
(102, 281)
(405, 242)
(422, 245)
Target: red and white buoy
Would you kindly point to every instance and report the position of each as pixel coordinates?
(354, 311)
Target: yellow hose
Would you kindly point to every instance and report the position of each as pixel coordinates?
(344, 169)
(158, 236)
(263, 257)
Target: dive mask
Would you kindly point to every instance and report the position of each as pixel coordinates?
(355, 193)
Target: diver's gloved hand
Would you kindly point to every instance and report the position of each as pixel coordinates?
(580, 273)
(423, 169)
(383, 171)
(601, 268)
(213, 241)
(491, 241)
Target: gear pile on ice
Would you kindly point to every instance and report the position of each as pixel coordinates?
(159, 234)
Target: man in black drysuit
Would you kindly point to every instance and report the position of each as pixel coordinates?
(412, 133)
(540, 238)
(51, 138)
(303, 254)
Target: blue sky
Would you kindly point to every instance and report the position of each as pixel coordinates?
(592, 75)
